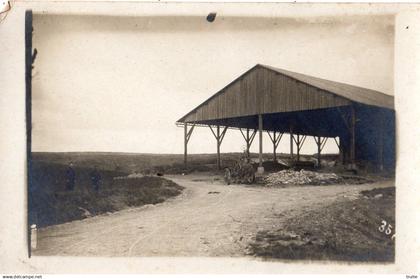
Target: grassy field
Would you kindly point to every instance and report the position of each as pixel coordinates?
(154, 163)
(50, 203)
(141, 163)
(347, 230)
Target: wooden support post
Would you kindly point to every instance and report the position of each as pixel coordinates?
(218, 147)
(275, 139)
(299, 143)
(274, 147)
(339, 145)
(219, 139)
(341, 150)
(260, 130)
(353, 138)
(347, 142)
(187, 136)
(248, 139)
(248, 145)
(291, 141)
(318, 143)
(185, 145)
(298, 147)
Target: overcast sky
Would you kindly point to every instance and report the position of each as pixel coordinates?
(120, 83)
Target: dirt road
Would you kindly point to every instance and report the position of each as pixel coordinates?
(208, 219)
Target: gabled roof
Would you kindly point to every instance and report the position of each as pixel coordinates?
(351, 92)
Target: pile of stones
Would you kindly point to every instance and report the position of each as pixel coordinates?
(302, 177)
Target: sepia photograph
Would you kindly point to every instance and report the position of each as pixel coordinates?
(271, 138)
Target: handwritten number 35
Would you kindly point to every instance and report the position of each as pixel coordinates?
(387, 229)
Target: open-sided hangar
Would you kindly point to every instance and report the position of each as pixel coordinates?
(361, 121)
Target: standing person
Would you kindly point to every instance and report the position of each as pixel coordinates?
(70, 177)
(95, 177)
(228, 176)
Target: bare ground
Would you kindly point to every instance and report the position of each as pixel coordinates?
(207, 219)
(347, 230)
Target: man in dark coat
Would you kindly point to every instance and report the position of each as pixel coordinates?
(95, 177)
(70, 177)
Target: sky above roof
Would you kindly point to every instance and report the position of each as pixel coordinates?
(120, 83)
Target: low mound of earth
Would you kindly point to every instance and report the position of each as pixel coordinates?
(347, 230)
(50, 203)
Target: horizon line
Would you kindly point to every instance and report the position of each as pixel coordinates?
(149, 153)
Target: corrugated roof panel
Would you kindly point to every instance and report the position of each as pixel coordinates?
(351, 92)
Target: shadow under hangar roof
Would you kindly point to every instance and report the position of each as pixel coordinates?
(314, 106)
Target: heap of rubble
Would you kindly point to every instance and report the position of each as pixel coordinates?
(303, 177)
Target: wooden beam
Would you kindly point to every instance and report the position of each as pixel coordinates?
(185, 144)
(341, 147)
(291, 140)
(243, 135)
(296, 139)
(318, 143)
(353, 138)
(299, 143)
(278, 140)
(252, 136)
(336, 142)
(275, 140)
(345, 121)
(190, 132)
(218, 147)
(214, 134)
(219, 139)
(324, 141)
(260, 129)
(274, 147)
(248, 144)
(302, 142)
(187, 136)
(268, 132)
(248, 139)
(223, 134)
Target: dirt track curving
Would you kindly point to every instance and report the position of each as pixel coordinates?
(207, 219)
